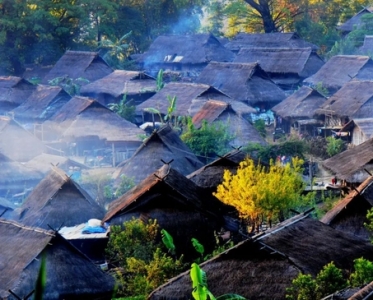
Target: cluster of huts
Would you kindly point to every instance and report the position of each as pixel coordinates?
(48, 137)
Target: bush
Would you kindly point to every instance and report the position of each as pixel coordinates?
(334, 146)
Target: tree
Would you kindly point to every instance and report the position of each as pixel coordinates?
(334, 146)
(259, 193)
(363, 272)
(124, 109)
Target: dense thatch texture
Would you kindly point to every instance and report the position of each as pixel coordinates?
(263, 267)
(79, 64)
(13, 92)
(364, 293)
(57, 200)
(268, 40)
(349, 165)
(70, 275)
(355, 22)
(353, 100)
(302, 62)
(245, 82)
(41, 104)
(238, 127)
(193, 49)
(302, 104)
(83, 117)
(16, 142)
(189, 98)
(178, 205)
(341, 69)
(349, 214)
(164, 144)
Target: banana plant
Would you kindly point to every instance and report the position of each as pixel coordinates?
(160, 83)
(41, 280)
(198, 246)
(168, 241)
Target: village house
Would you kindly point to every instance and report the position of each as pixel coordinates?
(178, 205)
(57, 201)
(350, 213)
(134, 86)
(354, 22)
(162, 146)
(265, 265)
(353, 100)
(238, 126)
(357, 131)
(367, 47)
(267, 40)
(245, 82)
(13, 92)
(295, 113)
(339, 70)
(70, 274)
(83, 127)
(186, 54)
(287, 67)
(75, 65)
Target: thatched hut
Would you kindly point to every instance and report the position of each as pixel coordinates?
(214, 111)
(246, 82)
(187, 54)
(17, 143)
(296, 112)
(190, 97)
(134, 85)
(164, 145)
(357, 130)
(57, 201)
(178, 205)
(40, 106)
(264, 266)
(70, 274)
(367, 47)
(350, 165)
(339, 70)
(353, 100)
(85, 124)
(267, 40)
(15, 178)
(349, 214)
(79, 64)
(354, 22)
(287, 67)
(13, 92)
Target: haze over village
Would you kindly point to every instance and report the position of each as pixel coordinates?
(172, 150)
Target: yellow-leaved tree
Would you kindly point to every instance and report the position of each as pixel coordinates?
(262, 193)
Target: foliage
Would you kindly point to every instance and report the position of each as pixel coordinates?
(321, 89)
(328, 280)
(363, 272)
(141, 266)
(326, 203)
(126, 183)
(261, 127)
(334, 146)
(124, 109)
(168, 241)
(41, 280)
(159, 81)
(70, 85)
(209, 140)
(257, 192)
(100, 185)
(369, 224)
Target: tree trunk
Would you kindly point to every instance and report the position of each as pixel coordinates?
(264, 9)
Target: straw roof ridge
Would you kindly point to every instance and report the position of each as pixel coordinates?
(355, 20)
(364, 293)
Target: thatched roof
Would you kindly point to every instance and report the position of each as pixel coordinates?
(120, 83)
(362, 197)
(263, 267)
(365, 125)
(341, 69)
(79, 64)
(353, 100)
(367, 47)
(349, 165)
(185, 49)
(57, 200)
(16, 142)
(83, 117)
(70, 275)
(164, 144)
(268, 40)
(245, 82)
(364, 293)
(219, 111)
(302, 104)
(13, 92)
(41, 104)
(189, 98)
(211, 175)
(302, 62)
(355, 22)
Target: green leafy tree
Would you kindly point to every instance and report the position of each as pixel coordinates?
(70, 85)
(303, 288)
(261, 127)
(363, 272)
(334, 146)
(124, 109)
(126, 183)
